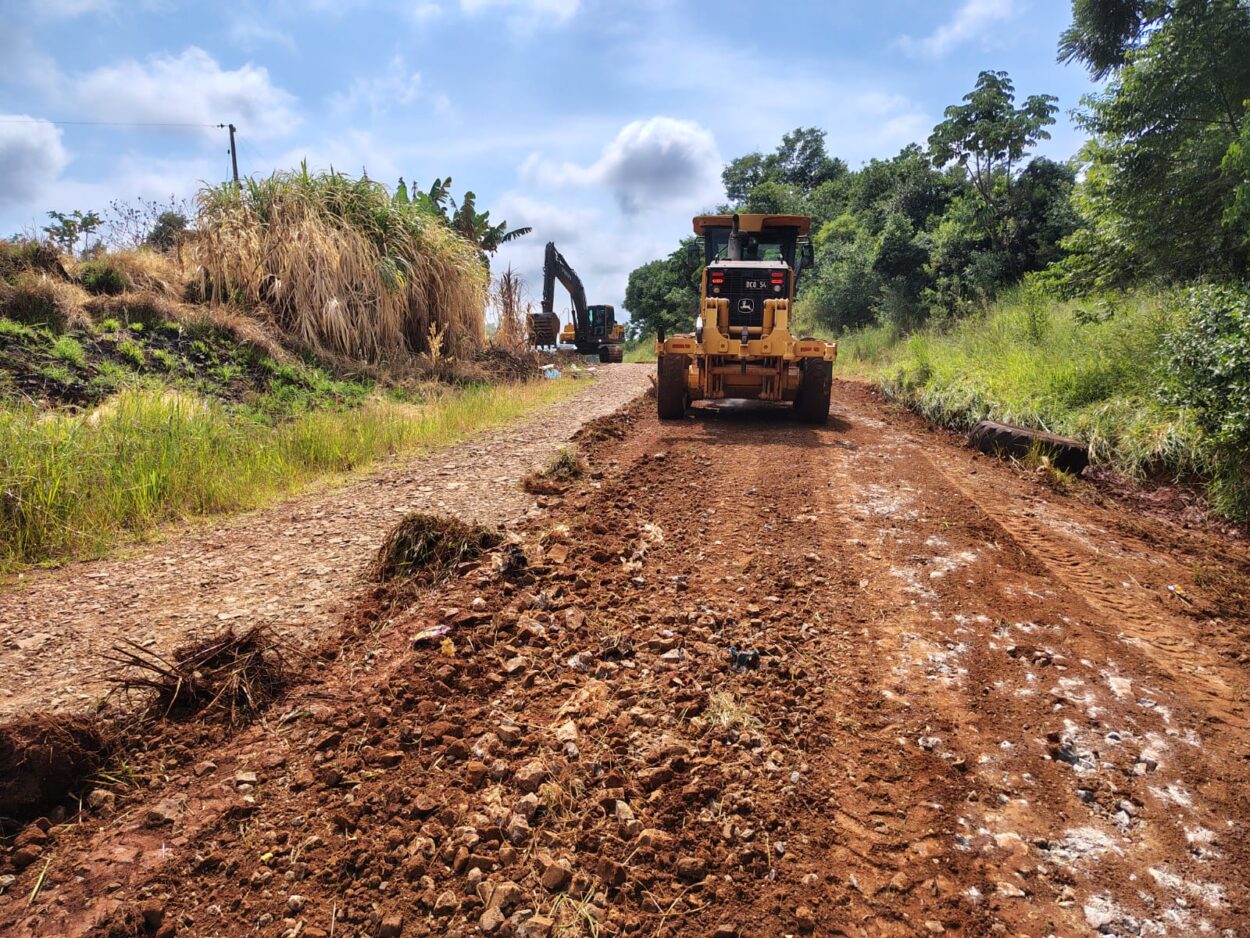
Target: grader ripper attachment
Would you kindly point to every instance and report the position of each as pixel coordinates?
(742, 346)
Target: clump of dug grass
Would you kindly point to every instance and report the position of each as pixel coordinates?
(566, 466)
(430, 546)
(343, 269)
(226, 677)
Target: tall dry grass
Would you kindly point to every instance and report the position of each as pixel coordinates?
(509, 298)
(343, 268)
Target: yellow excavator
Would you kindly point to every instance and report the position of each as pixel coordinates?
(742, 346)
(592, 330)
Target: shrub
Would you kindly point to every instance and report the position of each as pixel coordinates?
(101, 278)
(1210, 363)
(345, 269)
(39, 300)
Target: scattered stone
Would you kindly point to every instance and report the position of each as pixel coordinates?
(1009, 890)
(804, 918)
(531, 775)
(538, 926)
(392, 926)
(556, 876)
(691, 869)
(446, 903)
(100, 798)
(295, 903)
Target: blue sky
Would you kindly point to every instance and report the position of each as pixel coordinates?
(601, 123)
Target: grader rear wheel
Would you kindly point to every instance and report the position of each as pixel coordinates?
(812, 404)
(671, 395)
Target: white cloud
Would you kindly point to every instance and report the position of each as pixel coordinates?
(248, 32)
(31, 157)
(973, 20)
(661, 162)
(188, 88)
(398, 85)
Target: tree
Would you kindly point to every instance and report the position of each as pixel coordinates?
(800, 162)
(988, 136)
(69, 228)
(1165, 126)
(665, 293)
(475, 227)
(168, 229)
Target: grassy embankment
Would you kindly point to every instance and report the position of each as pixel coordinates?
(1113, 372)
(140, 388)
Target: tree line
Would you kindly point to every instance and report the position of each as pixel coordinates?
(1160, 192)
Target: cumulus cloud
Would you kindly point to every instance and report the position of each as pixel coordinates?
(973, 20)
(31, 157)
(187, 88)
(661, 162)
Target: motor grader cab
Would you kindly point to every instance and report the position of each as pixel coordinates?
(742, 347)
(592, 330)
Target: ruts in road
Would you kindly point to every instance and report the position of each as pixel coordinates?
(756, 678)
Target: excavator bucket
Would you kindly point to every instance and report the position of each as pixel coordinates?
(544, 329)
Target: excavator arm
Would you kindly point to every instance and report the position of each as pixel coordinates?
(555, 267)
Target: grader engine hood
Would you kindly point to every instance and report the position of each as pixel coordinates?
(748, 286)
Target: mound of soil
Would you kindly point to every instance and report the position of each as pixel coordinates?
(44, 758)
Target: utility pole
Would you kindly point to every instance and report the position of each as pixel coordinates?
(234, 156)
(234, 153)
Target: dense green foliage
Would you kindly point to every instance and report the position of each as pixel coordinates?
(1166, 167)
(974, 279)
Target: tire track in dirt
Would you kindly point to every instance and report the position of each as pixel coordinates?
(942, 736)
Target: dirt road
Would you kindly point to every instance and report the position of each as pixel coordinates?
(296, 565)
(977, 709)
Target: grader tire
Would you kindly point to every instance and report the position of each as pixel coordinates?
(670, 386)
(812, 404)
(605, 354)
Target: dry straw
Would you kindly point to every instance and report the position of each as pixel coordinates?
(342, 268)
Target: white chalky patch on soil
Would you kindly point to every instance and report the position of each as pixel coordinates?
(1082, 843)
(944, 565)
(1173, 794)
(1209, 894)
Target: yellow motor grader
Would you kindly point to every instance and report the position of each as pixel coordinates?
(742, 346)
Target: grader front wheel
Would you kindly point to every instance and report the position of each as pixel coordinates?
(812, 404)
(671, 395)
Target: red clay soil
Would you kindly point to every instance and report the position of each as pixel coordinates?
(965, 704)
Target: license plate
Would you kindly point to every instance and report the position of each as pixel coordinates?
(755, 284)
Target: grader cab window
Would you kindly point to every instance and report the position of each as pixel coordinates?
(775, 244)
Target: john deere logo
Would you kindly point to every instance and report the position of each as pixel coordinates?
(746, 305)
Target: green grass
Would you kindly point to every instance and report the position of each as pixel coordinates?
(69, 350)
(643, 350)
(76, 485)
(131, 352)
(1094, 370)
